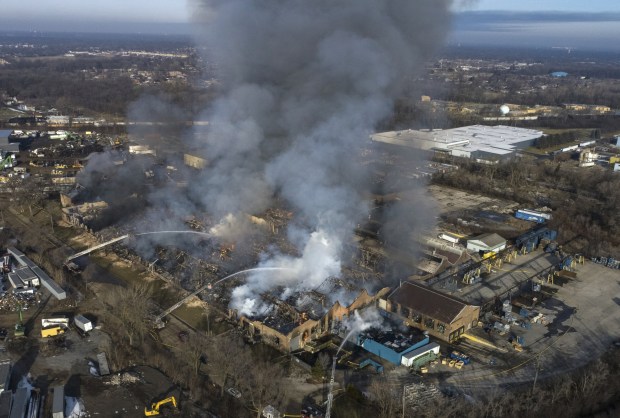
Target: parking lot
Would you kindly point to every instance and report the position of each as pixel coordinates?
(583, 321)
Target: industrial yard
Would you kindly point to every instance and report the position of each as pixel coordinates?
(475, 311)
(318, 220)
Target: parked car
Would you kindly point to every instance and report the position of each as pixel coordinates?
(234, 392)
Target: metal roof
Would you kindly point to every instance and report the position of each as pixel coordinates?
(499, 139)
(490, 240)
(58, 404)
(419, 351)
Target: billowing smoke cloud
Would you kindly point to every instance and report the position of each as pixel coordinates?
(363, 320)
(305, 82)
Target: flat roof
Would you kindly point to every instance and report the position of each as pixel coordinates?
(58, 403)
(499, 139)
(419, 351)
(397, 342)
(25, 274)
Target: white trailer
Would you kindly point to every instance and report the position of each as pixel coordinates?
(59, 321)
(446, 236)
(83, 323)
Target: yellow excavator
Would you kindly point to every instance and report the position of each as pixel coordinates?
(157, 405)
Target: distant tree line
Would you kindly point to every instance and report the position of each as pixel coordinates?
(553, 140)
(584, 201)
(97, 85)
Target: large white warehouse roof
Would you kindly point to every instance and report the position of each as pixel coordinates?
(499, 140)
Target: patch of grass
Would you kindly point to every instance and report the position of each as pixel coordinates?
(193, 315)
(582, 132)
(127, 274)
(65, 234)
(6, 114)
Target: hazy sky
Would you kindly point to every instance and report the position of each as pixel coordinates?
(540, 5)
(45, 12)
(577, 26)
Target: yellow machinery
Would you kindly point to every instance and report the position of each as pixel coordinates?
(52, 331)
(482, 341)
(157, 405)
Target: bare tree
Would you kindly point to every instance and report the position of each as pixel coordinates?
(263, 385)
(131, 305)
(230, 357)
(386, 396)
(195, 350)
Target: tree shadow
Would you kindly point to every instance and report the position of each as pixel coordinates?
(22, 366)
(73, 386)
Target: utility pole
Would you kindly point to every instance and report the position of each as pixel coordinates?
(52, 222)
(536, 375)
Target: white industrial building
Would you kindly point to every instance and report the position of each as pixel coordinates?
(475, 141)
(424, 351)
(486, 243)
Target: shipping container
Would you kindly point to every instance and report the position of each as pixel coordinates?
(58, 403)
(83, 323)
(532, 216)
(448, 237)
(55, 322)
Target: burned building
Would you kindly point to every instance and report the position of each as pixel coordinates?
(442, 316)
(304, 317)
(82, 215)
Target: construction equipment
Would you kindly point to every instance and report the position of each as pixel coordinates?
(8, 162)
(155, 407)
(20, 329)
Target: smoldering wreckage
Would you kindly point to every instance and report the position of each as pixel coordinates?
(282, 180)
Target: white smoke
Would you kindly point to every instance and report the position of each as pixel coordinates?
(304, 83)
(366, 319)
(319, 260)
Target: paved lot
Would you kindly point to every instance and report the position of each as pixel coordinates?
(521, 270)
(584, 320)
(448, 200)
